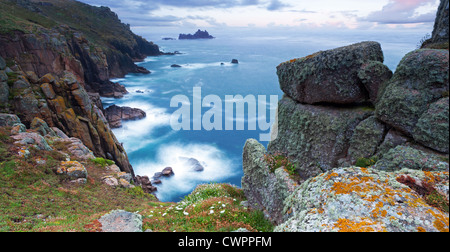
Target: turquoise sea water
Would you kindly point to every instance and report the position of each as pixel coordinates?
(152, 144)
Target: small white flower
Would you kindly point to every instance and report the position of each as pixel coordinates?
(223, 205)
(164, 214)
(211, 212)
(223, 211)
(186, 213)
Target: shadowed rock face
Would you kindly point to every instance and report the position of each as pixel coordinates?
(64, 103)
(415, 100)
(115, 115)
(440, 32)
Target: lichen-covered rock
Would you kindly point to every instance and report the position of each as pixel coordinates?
(330, 76)
(374, 76)
(432, 129)
(411, 158)
(76, 148)
(392, 139)
(315, 138)
(367, 136)
(8, 120)
(26, 105)
(121, 221)
(420, 80)
(264, 190)
(48, 91)
(41, 127)
(73, 169)
(4, 92)
(34, 139)
(366, 200)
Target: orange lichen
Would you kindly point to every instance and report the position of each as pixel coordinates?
(357, 185)
(441, 223)
(345, 225)
(364, 170)
(421, 229)
(331, 175)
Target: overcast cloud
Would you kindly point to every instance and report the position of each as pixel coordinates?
(402, 12)
(263, 13)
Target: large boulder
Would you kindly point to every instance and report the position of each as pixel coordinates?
(265, 190)
(317, 138)
(41, 127)
(412, 158)
(73, 169)
(433, 126)
(7, 120)
(332, 76)
(367, 200)
(33, 139)
(121, 221)
(411, 100)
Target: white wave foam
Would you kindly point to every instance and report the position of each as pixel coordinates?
(216, 167)
(137, 134)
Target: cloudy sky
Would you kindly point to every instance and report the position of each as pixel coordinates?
(352, 14)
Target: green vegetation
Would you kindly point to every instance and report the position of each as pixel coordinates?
(34, 198)
(209, 208)
(102, 162)
(366, 162)
(278, 160)
(437, 200)
(98, 25)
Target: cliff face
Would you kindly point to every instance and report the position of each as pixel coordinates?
(59, 36)
(57, 58)
(440, 32)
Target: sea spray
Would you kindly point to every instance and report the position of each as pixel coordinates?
(217, 167)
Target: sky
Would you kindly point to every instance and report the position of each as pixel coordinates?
(351, 14)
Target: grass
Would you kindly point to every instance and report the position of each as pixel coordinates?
(278, 160)
(209, 208)
(366, 162)
(33, 198)
(102, 162)
(99, 25)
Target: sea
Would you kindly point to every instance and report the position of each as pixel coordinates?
(153, 143)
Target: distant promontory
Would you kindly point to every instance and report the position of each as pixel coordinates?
(198, 35)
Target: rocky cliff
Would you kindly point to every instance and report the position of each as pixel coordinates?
(370, 147)
(57, 36)
(56, 61)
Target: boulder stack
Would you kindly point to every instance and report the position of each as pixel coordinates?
(345, 108)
